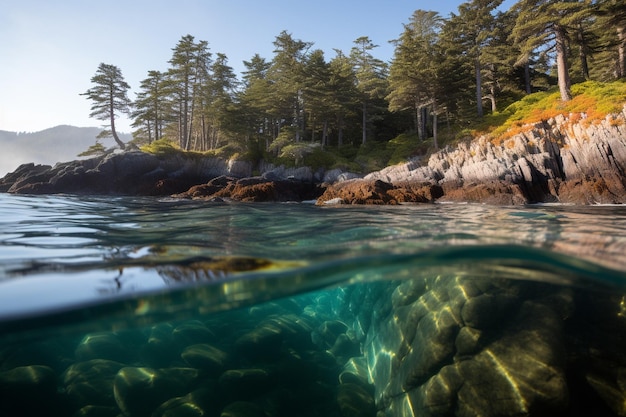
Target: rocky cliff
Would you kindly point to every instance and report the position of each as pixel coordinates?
(563, 159)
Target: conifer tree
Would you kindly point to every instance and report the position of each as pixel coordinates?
(414, 80)
(149, 107)
(189, 70)
(109, 97)
(474, 26)
(547, 24)
(287, 76)
(611, 24)
(371, 77)
(342, 83)
(219, 93)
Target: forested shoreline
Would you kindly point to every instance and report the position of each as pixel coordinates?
(447, 74)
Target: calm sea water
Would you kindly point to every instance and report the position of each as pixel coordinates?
(135, 306)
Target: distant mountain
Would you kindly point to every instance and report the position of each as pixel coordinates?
(57, 144)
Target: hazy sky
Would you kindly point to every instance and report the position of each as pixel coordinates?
(49, 50)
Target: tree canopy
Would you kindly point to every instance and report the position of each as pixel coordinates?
(444, 70)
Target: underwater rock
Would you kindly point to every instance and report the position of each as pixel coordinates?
(266, 340)
(97, 411)
(201, 402)
(326, 333)
(344, 348)
(243, 409)
(139, 391)
(205, 357)
(246, 383)
(160, 349)
(356, 400)
(192, 332)
(103, 346)
(354, 369)
(28, 390)
(91, 383)
(448, 345)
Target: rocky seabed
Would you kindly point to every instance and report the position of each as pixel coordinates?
(440, 346)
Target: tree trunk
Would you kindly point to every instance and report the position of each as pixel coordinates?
(340, 131)
(529, 89)
(492, 97)
(561, 64)
(435, 143)
(621, 52)
(364, 123)
(479, 88)
(419, 121)
(149, 129)
(325, 134)
(113, 132)
(582, 52)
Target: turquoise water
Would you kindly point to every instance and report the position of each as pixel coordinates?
(116, 306)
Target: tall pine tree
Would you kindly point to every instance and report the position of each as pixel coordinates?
(109, 97)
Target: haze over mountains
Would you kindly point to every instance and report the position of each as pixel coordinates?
(57, 144)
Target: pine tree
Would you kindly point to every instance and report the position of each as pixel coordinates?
(254, 101)
(414, 80)
(371, 77)
(547, 24)
(286, 73)
(474, 26)
(189, 70)
(218, 96)
(109, 97)
(149, 107)
(342, 84)
(611, 27)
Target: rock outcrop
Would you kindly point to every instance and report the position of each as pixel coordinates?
(563, 159)
(128, 173)
(253, 189)
(360, 191)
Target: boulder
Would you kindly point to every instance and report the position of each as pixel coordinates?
(364, 191)
(254, 189)
(139, 391)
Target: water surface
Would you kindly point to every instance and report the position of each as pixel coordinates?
(140, 306)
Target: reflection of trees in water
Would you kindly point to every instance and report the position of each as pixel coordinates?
(195, 269)
(189, 274)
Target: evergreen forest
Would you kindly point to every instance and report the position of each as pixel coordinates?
(448, 75)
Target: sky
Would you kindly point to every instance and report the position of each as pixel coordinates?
(49, 50)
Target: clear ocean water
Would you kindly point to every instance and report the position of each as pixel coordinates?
(119, 306)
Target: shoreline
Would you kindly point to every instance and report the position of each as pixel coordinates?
(556, 161)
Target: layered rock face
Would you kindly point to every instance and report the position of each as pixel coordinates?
(567, 160)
